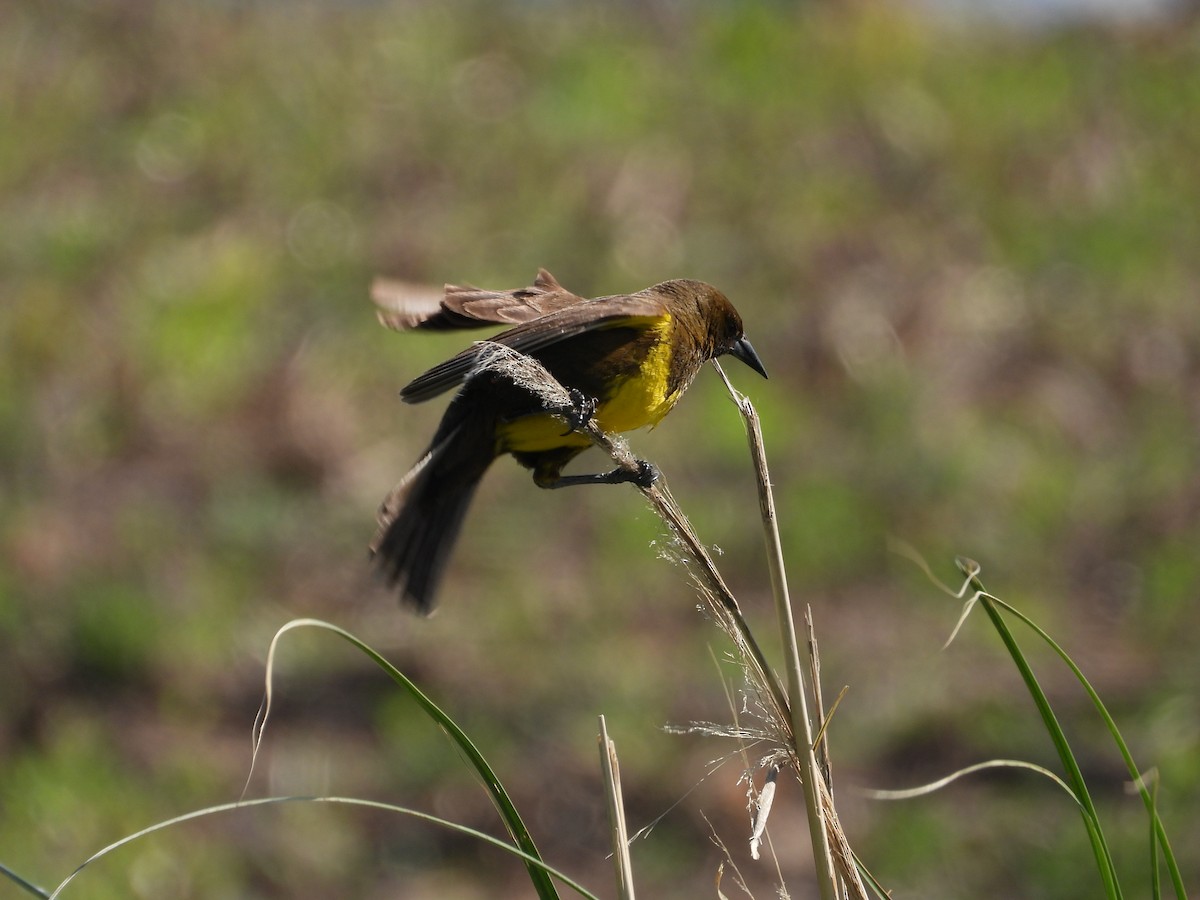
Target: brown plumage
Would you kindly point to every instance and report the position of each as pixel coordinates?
(632, 354)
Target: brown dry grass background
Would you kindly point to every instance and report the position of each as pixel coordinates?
(968, 256)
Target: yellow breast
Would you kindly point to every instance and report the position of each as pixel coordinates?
(637, 401)
(642, 399)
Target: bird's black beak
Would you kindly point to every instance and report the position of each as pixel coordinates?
(743, 351)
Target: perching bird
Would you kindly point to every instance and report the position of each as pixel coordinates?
(626, 359)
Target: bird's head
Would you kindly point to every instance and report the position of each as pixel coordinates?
(719, 327)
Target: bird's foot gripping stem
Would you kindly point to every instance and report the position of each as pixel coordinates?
(644, 475)
(579, 413)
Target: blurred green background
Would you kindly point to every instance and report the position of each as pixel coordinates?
(969, 254)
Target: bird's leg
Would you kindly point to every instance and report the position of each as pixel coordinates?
(578, 413)
(643, 476)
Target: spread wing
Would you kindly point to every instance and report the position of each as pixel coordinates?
(559, 325)
(402, 306)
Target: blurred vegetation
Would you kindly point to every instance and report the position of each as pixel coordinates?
(967, 256)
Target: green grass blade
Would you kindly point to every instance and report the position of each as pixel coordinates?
(1157, 828)
(1155, 879)
(500, 799)
(870, 880)
(21, 882)
(1091, 820)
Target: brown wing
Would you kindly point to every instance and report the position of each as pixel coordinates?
(529, 337)
(403, 306)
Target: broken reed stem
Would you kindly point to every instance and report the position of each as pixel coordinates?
(616, 814)
(814, 674)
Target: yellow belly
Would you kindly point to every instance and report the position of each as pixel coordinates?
(638, 401)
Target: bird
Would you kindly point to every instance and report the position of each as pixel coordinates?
(626, 359)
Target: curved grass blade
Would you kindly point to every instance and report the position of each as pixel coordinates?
(922, 790)
(529, 860)
(500, 799)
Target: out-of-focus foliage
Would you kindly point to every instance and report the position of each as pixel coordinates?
(968, 258)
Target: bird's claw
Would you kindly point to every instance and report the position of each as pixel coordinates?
(580, 412)
(646, 475)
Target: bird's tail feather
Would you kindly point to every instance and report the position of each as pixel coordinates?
(420, 519)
